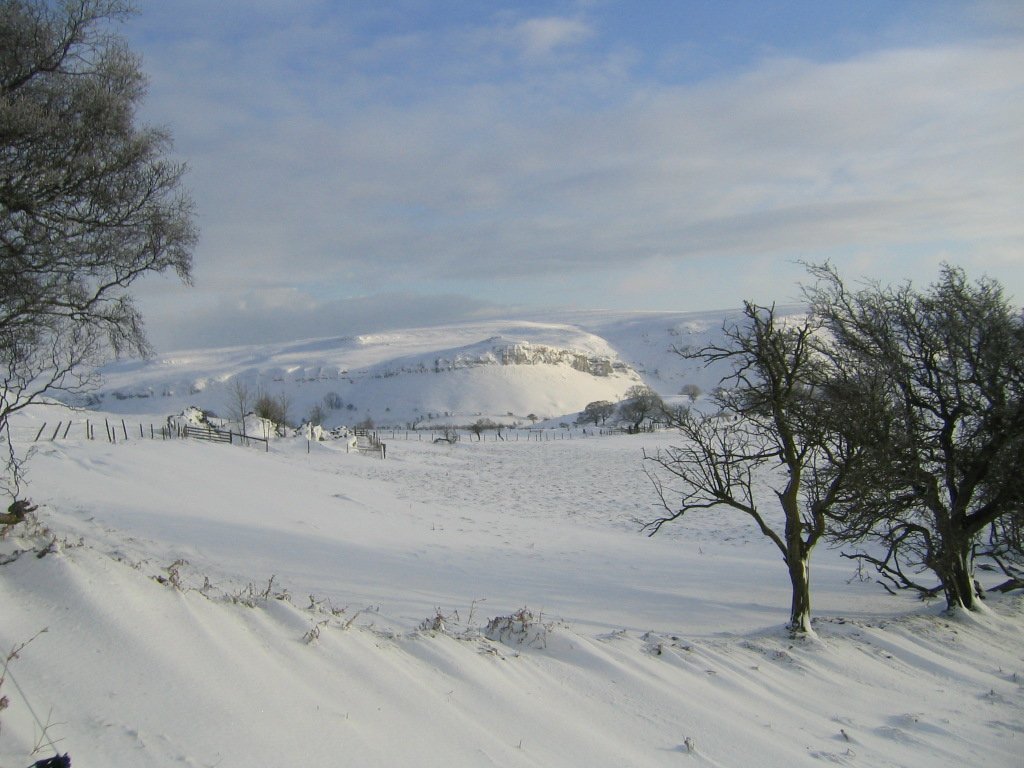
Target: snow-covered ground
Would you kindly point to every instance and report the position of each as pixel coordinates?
(482, 603)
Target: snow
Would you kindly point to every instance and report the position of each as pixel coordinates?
(478, 603)
(505, 371)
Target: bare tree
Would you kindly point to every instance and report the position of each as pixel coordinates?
(332, 401)
(273, 409)
(240, 401)
(597, 412)
(284, 407)
(765, 453)
(89, 201)
(691, 391)
(317, 415)
(449, 434)
(640, 404)
(480, 426)
(936, 378)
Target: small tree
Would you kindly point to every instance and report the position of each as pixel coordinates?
(449, 434)
(273, 408)
(774, 456)
(480, 426)
(316, 415)
(240, 401)
(691, 391)
(936, 383)
(284, 406)
(597, 412)
(89, 201)
(640, 404)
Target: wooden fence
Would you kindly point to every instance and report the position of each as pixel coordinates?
(370, 442)
(214, 435)
(120, 432)
(209, 434)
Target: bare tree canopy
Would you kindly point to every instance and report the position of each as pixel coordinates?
(597, 412)
(89, 200)
(765, 453)
(937, 381)
(640, 403)
(888, 418)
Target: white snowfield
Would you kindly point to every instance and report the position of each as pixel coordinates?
(485, 603)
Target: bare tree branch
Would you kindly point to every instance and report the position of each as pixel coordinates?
(936, 378)
(767, 447)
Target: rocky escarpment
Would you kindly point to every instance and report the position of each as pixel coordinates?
(499, 352)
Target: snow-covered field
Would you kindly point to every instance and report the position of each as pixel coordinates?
(483, 603)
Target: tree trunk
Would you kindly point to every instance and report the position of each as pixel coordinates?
(800, 580)
(957, 577)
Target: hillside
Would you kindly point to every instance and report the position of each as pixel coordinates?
(505, 371)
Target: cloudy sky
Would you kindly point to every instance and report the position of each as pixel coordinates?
(358, 165)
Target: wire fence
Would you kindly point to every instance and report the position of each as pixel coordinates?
(505, 434)
(120, 431)
(366, 441)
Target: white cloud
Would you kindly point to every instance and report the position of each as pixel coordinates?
(228, 318)
(329, 162)
(541, 37)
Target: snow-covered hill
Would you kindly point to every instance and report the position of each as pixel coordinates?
(482, 603)
(505, 371)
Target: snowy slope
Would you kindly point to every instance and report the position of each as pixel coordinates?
(212, 605)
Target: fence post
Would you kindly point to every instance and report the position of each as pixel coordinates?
(66, 430)
(39, 432)
(125, 428)
(54, 436)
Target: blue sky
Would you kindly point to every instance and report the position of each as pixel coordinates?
(361, 165)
